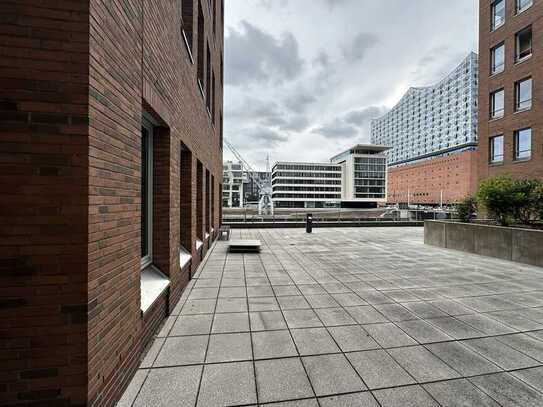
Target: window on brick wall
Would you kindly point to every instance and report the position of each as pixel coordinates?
(214, 17)
(523, 44)
(207, 203)
(208, 79)
(220, 132)
(187, 22)
(497, 59)
(523, 94)
(199, 200)
(185, 198)
(201, 50)
(146, 194)
(496, 149)
(497, 14)
(497, 104)
(522, 5)
(523, 144)
(213, 97)
(212, 201)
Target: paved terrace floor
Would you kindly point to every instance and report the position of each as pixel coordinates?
(349, 317)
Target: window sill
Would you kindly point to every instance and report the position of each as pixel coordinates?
(522, 110)
(199, 244)
(524, 59)
(152, 284)
(521, 160)
(184, 258)
(187, 46)
(519, 12)
(494, 29)
(493, 75)
(496, 164)
(495, 119)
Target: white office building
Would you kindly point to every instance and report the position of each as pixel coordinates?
(232, 187)
(434, 120)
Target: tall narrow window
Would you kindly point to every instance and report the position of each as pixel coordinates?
(497, 56)
(185, 198)
(146, 194)
(523, 41)
(214, 17)
(199, 200)
(523, 144)
(496, 149)
(187, 22)
(208, 79)
(213, 97)
(522, 5)
(523, 94)
(213, 202)
(207, 203)
(201, 49)
(497, 14)
(497, 104)
(220, 132)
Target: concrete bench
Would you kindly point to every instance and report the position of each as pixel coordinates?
(244, 246)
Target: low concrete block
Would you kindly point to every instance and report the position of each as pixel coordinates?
(528, 246)
(434, 234)
(460, 236)
(493, 241)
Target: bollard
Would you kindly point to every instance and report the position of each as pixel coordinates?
(309, 223)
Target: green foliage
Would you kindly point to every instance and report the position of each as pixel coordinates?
(508, 200)
(467, 209)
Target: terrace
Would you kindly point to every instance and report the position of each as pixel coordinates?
(349, 317)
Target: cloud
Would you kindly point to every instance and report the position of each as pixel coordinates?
(363, 117)
(252, 55)
(351, 124)
(299, 101)
(337, 129)
(262, 137)
(356, 51)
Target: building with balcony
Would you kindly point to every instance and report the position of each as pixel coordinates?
(433, 123)
(511, 75)
(111, 129)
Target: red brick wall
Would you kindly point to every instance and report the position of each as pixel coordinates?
(455, 175)
(44, 204)
(75, 78)
(513, 72)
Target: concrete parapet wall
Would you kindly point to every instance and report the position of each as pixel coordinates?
(519, 245)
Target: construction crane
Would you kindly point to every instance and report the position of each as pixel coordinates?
(265, 202)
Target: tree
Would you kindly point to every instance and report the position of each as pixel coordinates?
(467, 209)
(497, 195)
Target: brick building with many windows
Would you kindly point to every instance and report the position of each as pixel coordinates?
(510, 88)
(111, 140)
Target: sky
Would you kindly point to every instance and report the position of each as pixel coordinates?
(304, 78)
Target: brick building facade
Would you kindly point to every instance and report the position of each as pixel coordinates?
(511, 88)
(111, 146)
(447, 179)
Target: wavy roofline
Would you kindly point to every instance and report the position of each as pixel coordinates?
(420, 88)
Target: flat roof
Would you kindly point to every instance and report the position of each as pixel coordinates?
(369, 147)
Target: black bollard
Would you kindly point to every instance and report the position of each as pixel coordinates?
(309, 223)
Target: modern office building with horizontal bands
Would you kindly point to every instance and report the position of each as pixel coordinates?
(111, 129)
(432, 123)
(354, 178)
(511, 82)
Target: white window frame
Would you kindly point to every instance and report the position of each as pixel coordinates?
(493, 149)
(519, 10)
(518, 102)
(492, 14)
(495, 69)
(518, 58)
(148, 124)
(496, 114)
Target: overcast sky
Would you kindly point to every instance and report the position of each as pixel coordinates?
(303, 78)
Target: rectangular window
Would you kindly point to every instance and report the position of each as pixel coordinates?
(497, 62)
(207, 203)
(199, 201)
(201, 44)
(523, 144)
(498, 14)
(185, 198)
(146, 194)
(523, 94)
(497, 104)
(496, 149)
(522, 5)
(523, 41)
(208, 79)
(214, 17)
(187, 21)
(213, 97)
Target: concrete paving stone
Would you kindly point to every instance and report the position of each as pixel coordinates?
(332, 374)
(348, 299)
(463, 359)
(422, 364)
(378, 369)
(459, 393)
(232, 292)
(401, 295)
(273, 344)
(296, 403)
(229, 323)
(167, 326)
(525, 344)
(452, 307)
(532, 376)
(293, 302)
(395, 312)
(311, 289)
(487, 303)
(409, 396)
(334, 316)
(281, 380)
(152, 353)
(321, 301)
(508, 390)
(366, 314)
(260, 291)
(207, 282)
(389, 335)
(336, 288)
(229, 348)
(256, 281)
(199, 307)
(302, 318)
(263, 304)
(267, 320)
(284, 290)
(423, 332)
(182, 350)
(233, 283)
(427, 294)
(485, 324)
(456, 328)
(227, 384)
(171, 386)
(314, 341)
(192, 325)
(374, 297)
(133, 389)
(203, 293)
(231, 305)
(364, 399)
(536, 334)
(424, 310)
(515, 320)
(500, 353)
(352, 338)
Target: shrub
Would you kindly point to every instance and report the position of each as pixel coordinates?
(526, 200)
(467, 209)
